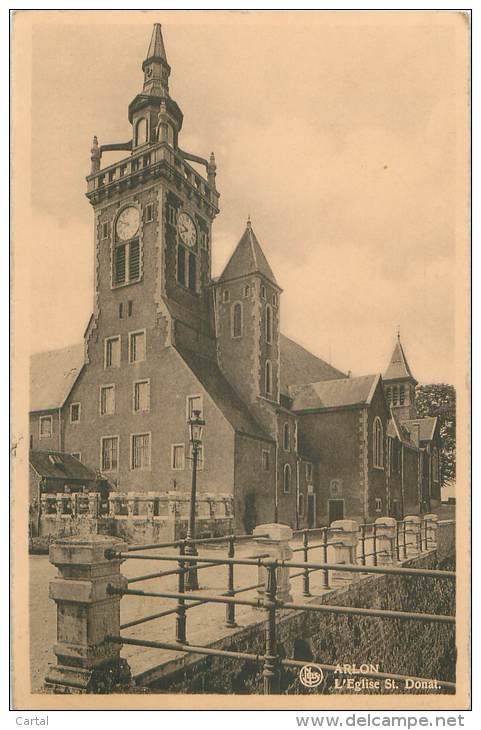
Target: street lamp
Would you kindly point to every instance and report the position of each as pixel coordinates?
(196, 425)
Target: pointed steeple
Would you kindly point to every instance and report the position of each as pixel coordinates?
(248, 258)
(156, 48)
(398, 368)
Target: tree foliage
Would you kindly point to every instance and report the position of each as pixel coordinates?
(439, 399)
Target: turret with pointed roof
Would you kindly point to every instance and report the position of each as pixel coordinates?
(247, 317)
(400, 384)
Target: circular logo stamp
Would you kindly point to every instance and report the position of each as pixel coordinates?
(311, 675)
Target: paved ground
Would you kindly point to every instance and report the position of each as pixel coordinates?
(205, 623)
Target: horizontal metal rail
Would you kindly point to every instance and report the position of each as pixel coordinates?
(196, 541)
(258, 603)
(258, 658)
(342, 567)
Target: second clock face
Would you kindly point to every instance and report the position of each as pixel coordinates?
(186, 229)
(127, 223)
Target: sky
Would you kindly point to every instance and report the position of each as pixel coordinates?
(338, 138)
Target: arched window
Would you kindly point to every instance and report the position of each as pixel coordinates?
(141, 132)
(268, 324)
(378, 444)
(236, 320)
(268, 378)
(287, 479)
(395, 390)
(401, 394)
(300, 506)
(435, 464)
(286, 437)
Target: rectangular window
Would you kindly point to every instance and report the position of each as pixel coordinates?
(107, 400)
(109, 453)
(112, 352)
(45, 427)
(181, 254)
(140, 451)
(309, 472)
(178, 456)
(265, 461)
(134, 261)
(137, 346)
(121, 310)
(126, 263)
(192, 272)
(76, 455)
(149, 213)
(74, 412)
(142, 396)
(200, 457)
(131, 307)
(194, 403)
(105, 230)
(172, 215)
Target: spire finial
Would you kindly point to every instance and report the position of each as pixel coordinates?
(399, 332)
(249, 224)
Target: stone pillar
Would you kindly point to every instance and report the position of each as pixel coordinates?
(94, 504)
(385, 540)
(276, 545)
(413, 533)
(431, 530)
(86, 614)
(345, 535)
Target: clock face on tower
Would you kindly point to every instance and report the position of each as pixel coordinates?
(186, 229)
(127, 223)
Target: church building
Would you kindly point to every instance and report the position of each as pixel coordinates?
(288, 437)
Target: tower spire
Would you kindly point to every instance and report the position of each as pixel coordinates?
(156, 47)
(155, 67)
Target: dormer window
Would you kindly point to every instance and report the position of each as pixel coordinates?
(141, 132)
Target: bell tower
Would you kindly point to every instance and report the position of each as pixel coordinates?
(154, 213)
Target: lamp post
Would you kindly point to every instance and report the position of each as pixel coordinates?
(196, 425)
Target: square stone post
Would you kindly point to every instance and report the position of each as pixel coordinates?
(413, 535)
(86, 614)
(345, 535)
(431, 530)
(276, 545)
(385, 539)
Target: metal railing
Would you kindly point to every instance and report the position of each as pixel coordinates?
(268, 600)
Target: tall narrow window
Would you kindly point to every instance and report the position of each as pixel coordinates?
(395, 395)
(287, 437)
(181, 253)
(236, 321)
(378, 444)
(388, 395)
(142, 396)
(107, 400)
(140, 451)
(112, 352)
(126, 263)
(141, 132)
(265, 461)
(109, 453)
(119, 264)
(401, 394)
(268, 378)
(308, 471)
(268, 324)
(435, 464)
(74, 412)
(45, 427)
(136, 346)
(134, 261)
(287, 479)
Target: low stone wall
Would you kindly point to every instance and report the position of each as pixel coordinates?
(398, 647)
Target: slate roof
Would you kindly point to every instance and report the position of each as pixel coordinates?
(334, 393)
(299, 366)
(67, 466)
(248, 258)
(52, 376)
(224, 396)
(398, 368)
(397, 429)
(427, 426)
